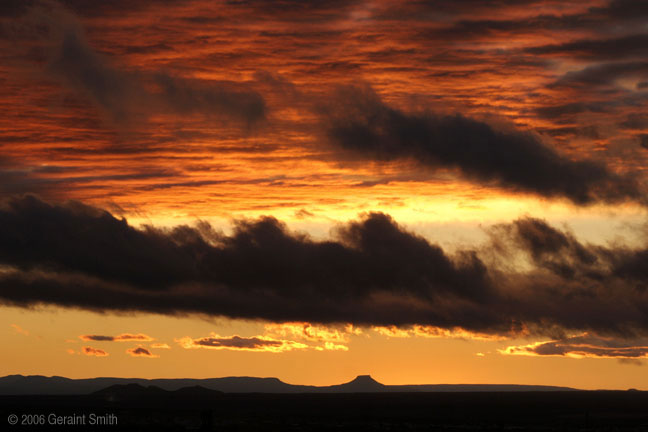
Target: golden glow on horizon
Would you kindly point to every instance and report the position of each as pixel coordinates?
(390, 360)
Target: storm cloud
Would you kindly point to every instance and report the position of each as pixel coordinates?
(372, 272)
(360, 123)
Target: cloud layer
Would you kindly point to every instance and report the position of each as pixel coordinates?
(585, 345)
(362, 124)
(373, 272)
(85, 86)
(239, 343)
(121, 338)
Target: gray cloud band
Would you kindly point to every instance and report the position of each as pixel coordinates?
(373, 272)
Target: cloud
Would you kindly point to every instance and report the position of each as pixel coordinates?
(371, 272)
(160, 346)
(20, 330)
(89, 351)
(329, 337)
(585, 345)
(627, 14)
(121, 338)
(312, 332)
(141, 352)
(130, 95)
(360, 124)
(433, 332)
(255, 343)
(598, 49)
(550, 248)
(15, 8)
(330, 346)
(605, 74)
(556, 111)
(392, 331)
(643, 141)
(54, 181)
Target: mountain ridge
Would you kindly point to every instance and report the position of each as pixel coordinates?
(57, 385)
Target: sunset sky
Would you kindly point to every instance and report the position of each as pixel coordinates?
(424, 191)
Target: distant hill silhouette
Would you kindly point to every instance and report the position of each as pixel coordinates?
(56, 385)
(119, 393)
(361, 384)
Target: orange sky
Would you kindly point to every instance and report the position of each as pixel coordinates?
(463, 121)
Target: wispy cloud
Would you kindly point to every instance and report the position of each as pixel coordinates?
(584, 345)
(160, 346)
(254, 343)
(434, 332)
(20, 330)
(141, 352)
(90, 351)
(124, 337)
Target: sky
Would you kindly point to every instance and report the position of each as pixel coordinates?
(427, 192)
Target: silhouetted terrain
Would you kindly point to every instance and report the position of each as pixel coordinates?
(32, 385)
(135, 407)
(250, 404)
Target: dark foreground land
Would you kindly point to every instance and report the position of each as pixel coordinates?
(201, 409)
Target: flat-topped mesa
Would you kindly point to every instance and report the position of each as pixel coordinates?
(363, 383)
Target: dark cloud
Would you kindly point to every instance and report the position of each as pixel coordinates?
(97, 338)
(373, 272)
(627, 14)
(635, 121)
(121, 338)
(140, 352)
(114, 251)
(15, 8)
(550, 248)
(254, 343)
(296, 10)
(18, 177)
(585, 345)
(363, 126)
(54, 181)
(88, 240)
(94, 352)
(604, 74)
(589, 131)
(571, 108)
(623, 9)
(603, 49)
(127, 95)
(236, 342)
(643, 141)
